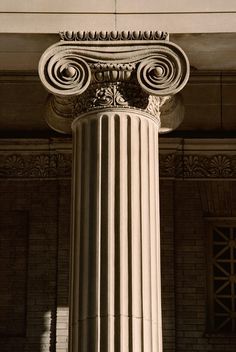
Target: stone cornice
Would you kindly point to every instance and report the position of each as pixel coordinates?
(179, 159)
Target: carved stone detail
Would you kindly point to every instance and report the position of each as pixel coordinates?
(162, 69)
(135, 68)
(194, 166)
(155, 104)
(111, 72)
(67, 74)
(61, 112)
(160, 74)
(47, 164)
(112, 36)
(111, 95)
(35, 165)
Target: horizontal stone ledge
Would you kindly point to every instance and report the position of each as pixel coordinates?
(118, 6)
(53, 22)
(166, 144)
(185, 159)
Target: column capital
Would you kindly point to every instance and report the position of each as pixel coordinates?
(87, 71)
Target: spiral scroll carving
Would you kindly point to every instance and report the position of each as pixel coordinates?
(91, 71)
(164, 73)
(65, 74)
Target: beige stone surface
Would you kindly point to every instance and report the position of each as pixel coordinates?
(118, 6)
(115, 280)
(179, 23)
(173, 6)
(53, 22)
(57, 6)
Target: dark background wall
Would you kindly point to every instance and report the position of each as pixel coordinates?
(34, 251)
(197, 202)
(34, 266)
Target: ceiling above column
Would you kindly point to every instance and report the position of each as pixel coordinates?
(185, 16)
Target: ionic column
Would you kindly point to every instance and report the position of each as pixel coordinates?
(110, 90)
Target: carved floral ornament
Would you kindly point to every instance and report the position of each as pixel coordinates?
(91, 66)
(173, 165)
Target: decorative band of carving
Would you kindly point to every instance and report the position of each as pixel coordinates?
(194, 166)
(111, 95)
(113, 35)
(111, 72)
(50, 164)
(61, 111)
(35, 165)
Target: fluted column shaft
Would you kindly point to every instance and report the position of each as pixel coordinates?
(115, 280)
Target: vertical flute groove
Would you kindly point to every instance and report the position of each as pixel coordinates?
(129, 234)
(98, 235)
(111, 237)
(104, 239)
(151, 175)
(142, 220)
(115, 264)
(118, 236)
